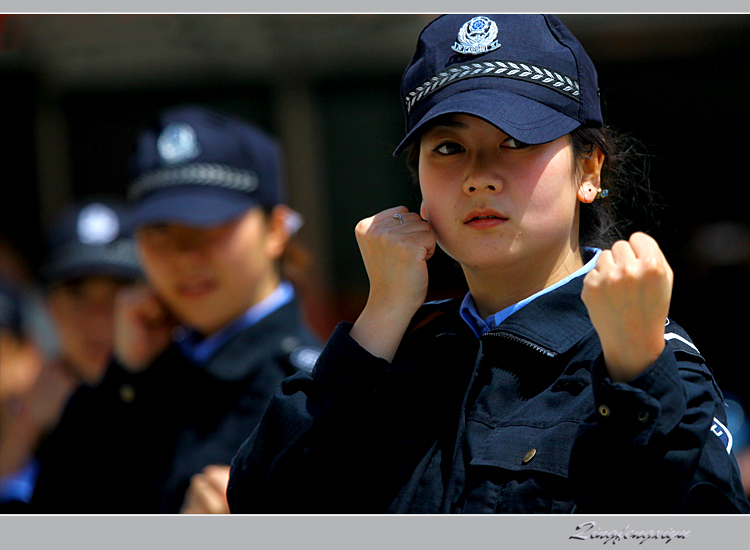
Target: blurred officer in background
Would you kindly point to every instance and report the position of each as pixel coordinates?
(200, 350)
(20, 364)
(90, 256)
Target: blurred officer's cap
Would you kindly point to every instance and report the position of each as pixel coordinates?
(92, 237)
(11, 309)
(199, 167)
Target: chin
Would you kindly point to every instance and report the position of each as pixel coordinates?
(479, 259)
(207, 326)
(91, 371)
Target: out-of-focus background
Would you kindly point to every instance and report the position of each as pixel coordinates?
(76, 88)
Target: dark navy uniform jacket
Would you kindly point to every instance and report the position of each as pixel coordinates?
(131, 444)
(521, 420)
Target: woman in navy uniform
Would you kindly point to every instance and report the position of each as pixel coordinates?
(90, 257)
(554, 386)
(201, 348)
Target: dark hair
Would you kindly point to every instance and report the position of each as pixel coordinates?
(295, 262)
(624, 174)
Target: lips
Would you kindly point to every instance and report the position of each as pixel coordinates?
(195, 289)
(484, 218)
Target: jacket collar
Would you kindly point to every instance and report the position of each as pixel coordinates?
(554, 322)
(276, 335)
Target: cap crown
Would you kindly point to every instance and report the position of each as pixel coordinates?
(92, 237)
(194, 146)
(530, 56)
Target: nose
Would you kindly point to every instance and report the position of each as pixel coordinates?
(482, 176)
(471, 186)
(190, 246)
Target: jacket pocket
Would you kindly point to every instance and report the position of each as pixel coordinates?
(522, 469)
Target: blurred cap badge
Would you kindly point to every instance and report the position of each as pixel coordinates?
(98, 224)
(304, 357)
(178, 143)
(477, 36)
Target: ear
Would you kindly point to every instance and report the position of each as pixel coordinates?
(279, 224)
(590, 169)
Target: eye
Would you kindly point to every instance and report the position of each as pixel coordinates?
(153, 233)
(448, 148)
(513, 143)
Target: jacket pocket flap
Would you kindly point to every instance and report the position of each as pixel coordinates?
(521, 448)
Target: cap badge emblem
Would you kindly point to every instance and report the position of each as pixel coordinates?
(477, 36)
(178, 143)
(97, 224)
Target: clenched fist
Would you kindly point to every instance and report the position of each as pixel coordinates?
(395, 246)
(207, 493)
(627, 296)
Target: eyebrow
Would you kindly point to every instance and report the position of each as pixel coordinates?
(447, 122)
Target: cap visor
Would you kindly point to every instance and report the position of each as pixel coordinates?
(123, 272)
(199, 207)
(118, 259)
(518, 116)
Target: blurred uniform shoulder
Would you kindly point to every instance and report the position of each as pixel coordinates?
(432, 314)
(300, 352)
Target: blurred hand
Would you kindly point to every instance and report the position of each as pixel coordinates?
(143, 327)
(48, 396)
(207, 493)
(40, 410)
(627, 295)
(395, 257)
(20, 365)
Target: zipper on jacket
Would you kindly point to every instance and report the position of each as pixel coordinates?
(528, 343)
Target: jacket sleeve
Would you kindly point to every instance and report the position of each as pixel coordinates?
(658, 444)
(286, 463)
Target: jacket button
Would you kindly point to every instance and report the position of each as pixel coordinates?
(604, 410)
(529, 455)
(642, 416)
(127, 393)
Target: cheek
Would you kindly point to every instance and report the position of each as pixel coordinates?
(65, 314)
(438, 199)
(156, 265)
(434, 211)
(551, 194)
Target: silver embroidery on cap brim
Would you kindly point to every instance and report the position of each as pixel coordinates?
(206, 174)
(121, 253)
(504, 69)
(477, 36)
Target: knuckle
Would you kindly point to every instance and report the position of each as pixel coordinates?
(630, 272)
(620, 244)
(640, 236)
(652, 267)
(363, 226)
(591, 285)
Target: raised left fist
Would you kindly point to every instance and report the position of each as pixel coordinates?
(627, 296)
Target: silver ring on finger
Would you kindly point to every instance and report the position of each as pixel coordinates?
(399, 218)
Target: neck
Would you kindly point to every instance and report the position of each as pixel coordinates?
(498, 287)
(262, 290)
(265, 289)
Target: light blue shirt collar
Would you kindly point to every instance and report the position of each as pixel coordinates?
(19, 485)
(200, 349)
(481, 326)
